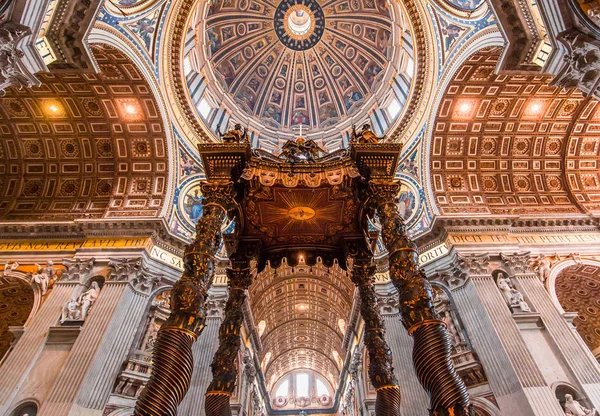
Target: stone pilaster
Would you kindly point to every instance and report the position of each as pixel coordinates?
(83, 378)
(119, 335)
(414, 399)
(204, 349)
(19, 370)
(583, 366)
(512, 372)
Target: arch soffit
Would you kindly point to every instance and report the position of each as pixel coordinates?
(104, 34)
(488, 38)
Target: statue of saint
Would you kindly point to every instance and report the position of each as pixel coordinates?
(301, 150)
(573, 408)
(71, 311)
(503, 284)
(366, 135)
(88, 298)
(542, 266)
(10, 267)
(236, 135)
(518, 301)
(44, 276)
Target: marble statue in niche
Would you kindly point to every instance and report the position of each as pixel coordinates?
(444, 307)
(513, 297)
(77, 309)
(574, 408)
(44, 277)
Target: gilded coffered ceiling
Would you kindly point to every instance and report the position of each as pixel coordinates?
(513, 144)
(83, 145)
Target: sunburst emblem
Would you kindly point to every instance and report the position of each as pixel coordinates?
(303, 212)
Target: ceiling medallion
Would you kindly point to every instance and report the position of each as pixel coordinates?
(301, 213)
(299, 24)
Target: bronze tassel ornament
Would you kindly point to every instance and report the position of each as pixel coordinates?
(381, 370)
(224, 362)
(172, 355)
(431, 350)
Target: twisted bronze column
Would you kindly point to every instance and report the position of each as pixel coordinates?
(432, 345)
(224, 362)
(381, 371)
(172, 360)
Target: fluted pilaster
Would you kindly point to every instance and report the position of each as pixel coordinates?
(414, 399)
(204, 350)
(113, 350)
(577, 356)
(19, 362)
(69, 381)
(538, 395)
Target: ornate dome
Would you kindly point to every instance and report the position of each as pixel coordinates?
(324, 66)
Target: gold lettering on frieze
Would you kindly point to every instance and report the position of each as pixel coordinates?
(464, 239)
(72, 245)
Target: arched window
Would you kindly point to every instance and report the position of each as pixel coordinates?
(302, 389)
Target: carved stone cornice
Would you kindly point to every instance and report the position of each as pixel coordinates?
(442, 226)
(582, 63)
(12, 73)
(155, 228)
(77, 270)
(519, 263)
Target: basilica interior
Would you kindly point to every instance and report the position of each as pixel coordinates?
(300, 207)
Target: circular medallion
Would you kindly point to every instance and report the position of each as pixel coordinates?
(299, 24)
(301, 213)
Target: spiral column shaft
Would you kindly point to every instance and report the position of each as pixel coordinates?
(172, 355)
(224, 362)
(381, 370)
(432, 347)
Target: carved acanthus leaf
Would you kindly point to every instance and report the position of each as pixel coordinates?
(519, 263)
(474, 264)
(77, 270)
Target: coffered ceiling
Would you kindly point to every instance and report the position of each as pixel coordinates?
(302, 307)
(513, 145)
(83, 145)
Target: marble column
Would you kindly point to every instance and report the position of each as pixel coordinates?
(512, 372)
(92, 342)
(578, 358)
(23, 357)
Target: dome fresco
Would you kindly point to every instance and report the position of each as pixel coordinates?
(323, 66)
